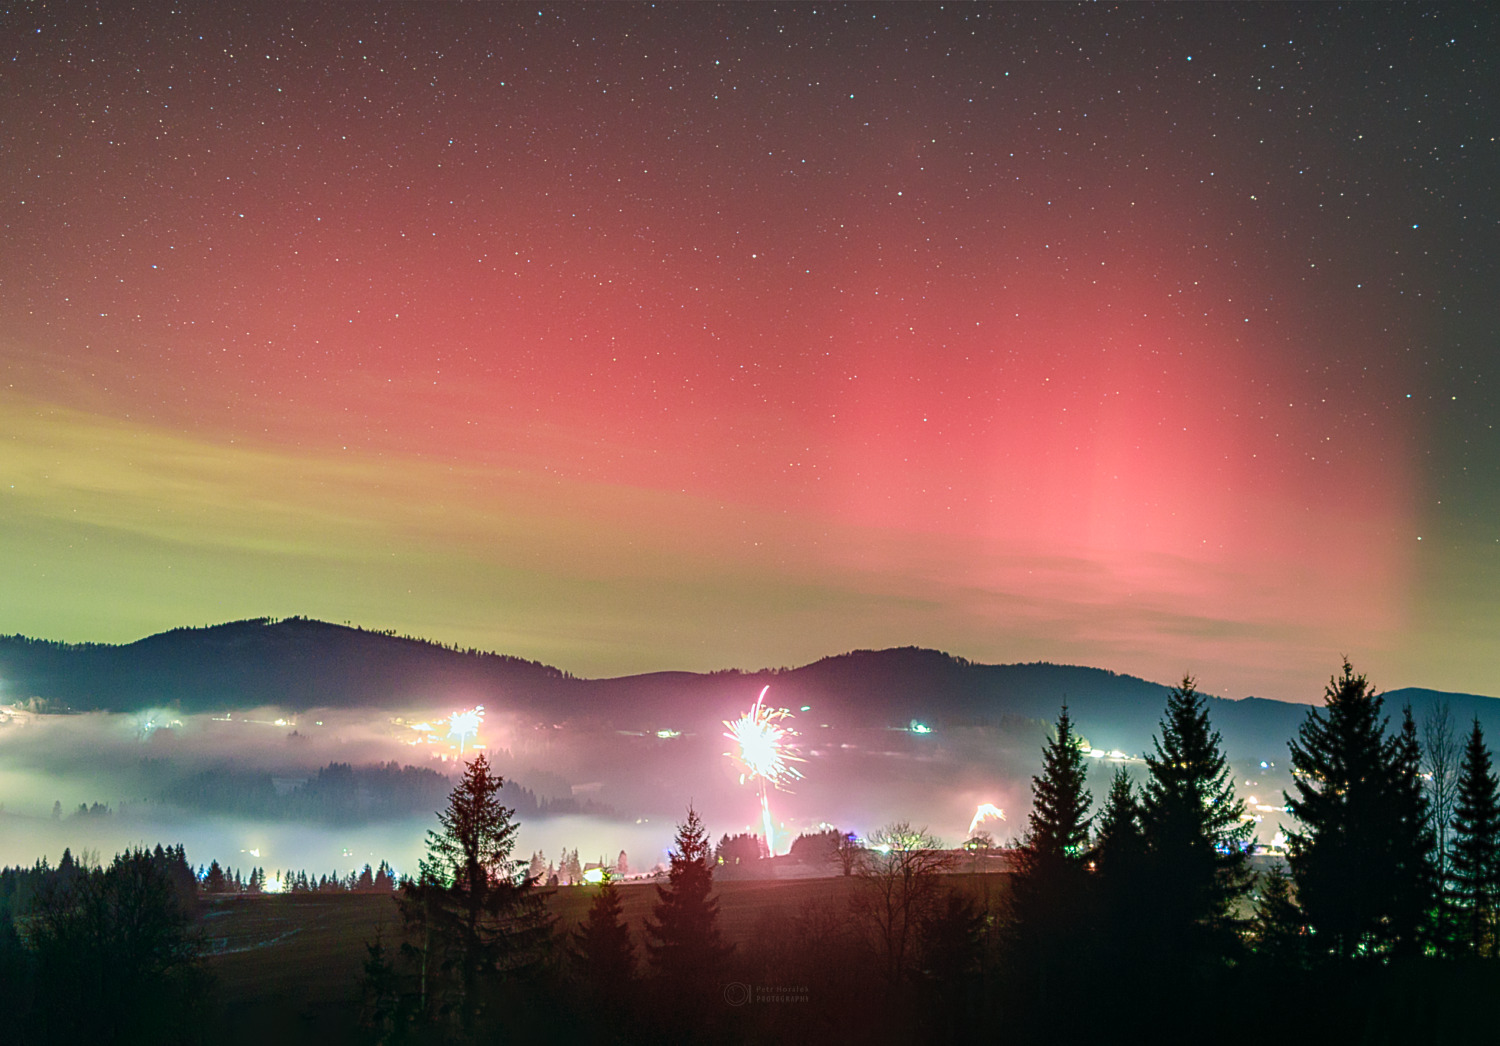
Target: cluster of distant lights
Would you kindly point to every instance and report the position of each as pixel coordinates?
(764, 748)
(228, 718)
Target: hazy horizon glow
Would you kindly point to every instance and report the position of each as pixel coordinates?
(130, 762)
(630, 339)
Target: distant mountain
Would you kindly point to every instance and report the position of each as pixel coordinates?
(298, 663)
(295, 663)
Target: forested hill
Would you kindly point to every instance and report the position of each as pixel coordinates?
(298, 663)
(294, 663)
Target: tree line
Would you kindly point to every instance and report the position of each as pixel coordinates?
(1148, 909)
(479, 958)
(114, 953)
(340, 793)
(1144, 913)
(102, 953)
(221, 881)
(570, 870)
(1142, 917)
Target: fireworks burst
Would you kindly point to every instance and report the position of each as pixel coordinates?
(985, 812)
(766, 751)
(464, 725)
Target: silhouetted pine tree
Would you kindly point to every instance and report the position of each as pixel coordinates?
(1412, 846)
(1119, 862)
(1058, 828)
(1051, 907)
(1278, 932)
(475, 913)
(683, 938)
(15, 973)
(603, 953)
(1476, 846)
(380, 991)
(1120, 843)
(117, 957)
(1195, 837)
(1355, 819)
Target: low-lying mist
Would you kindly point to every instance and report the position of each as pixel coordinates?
(328, 791)
(324, 791)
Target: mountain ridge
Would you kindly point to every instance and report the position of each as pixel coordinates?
(301, 663)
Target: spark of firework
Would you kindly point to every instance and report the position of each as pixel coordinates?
(766, 752)
(464, 725)
(985, 812)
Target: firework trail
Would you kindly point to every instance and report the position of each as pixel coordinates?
(766, 752)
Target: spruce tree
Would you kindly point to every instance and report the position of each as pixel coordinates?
(1196, 836)
(1476, 846)
(603, 953)
(474, 910)
(380, 991)
(1051, 896)
(1058, 828)
(1412, 844)
(683, 938)
(1353, 818)
(1118, 859)
(1120, 842)
(1278, 932)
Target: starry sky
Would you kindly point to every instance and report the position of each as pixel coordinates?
(634, 337)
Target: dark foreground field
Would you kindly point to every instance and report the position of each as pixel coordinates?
(288, 967)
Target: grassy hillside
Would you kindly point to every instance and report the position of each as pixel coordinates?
(288, 967)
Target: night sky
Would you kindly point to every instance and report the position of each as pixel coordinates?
(1159, 338)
